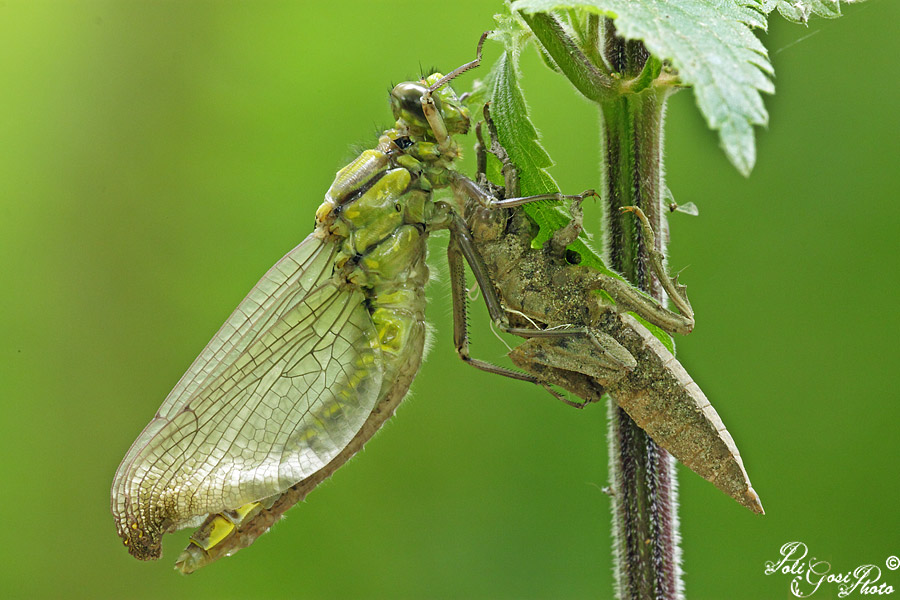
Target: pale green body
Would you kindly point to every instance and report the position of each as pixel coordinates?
(309, 365)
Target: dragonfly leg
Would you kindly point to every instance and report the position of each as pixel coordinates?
(573, 363)
(590, 354)
(630, 299)
(626, 296)
(507, 168)
(675, 291)
(472, 190)
(429, 108)
(480, 155)
(510, 176)
(456, 257)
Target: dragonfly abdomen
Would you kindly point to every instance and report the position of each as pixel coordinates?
(666, 403)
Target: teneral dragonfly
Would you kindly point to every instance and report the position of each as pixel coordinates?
(313, 360)
(317, 356)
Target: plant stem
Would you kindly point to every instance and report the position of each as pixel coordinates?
(611, 72)
(644, 506)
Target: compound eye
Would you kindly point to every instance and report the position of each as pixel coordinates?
(406, 100)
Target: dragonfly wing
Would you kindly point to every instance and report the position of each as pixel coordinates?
(297, 273)
(280, 390)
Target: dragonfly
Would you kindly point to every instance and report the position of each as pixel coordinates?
(323, 349)
(317, 356)
(588, 343)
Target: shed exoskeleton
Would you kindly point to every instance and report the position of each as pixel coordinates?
(580, 341)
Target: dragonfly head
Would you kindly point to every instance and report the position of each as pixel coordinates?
(406, 103)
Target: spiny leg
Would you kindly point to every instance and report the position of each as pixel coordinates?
(626, 296)
(480, 156)
(606, 354)
(676, 291)
(471, 189)
(573, 364)
(429, 108)
(455, 259)
(507, 168)
(510, 175)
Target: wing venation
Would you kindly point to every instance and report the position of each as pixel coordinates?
(280, 390)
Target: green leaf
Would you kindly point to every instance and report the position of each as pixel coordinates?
(519, 138)
(516, 132)
(712, 45)
(799, 11)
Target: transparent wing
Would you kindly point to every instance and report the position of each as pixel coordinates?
(279, 391)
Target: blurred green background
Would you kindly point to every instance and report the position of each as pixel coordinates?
(158, 157)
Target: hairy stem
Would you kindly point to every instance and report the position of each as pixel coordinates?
(645, 519)
(629, 88)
